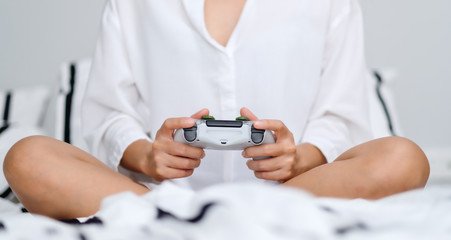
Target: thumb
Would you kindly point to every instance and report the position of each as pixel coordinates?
(201, 113)
(247, 113)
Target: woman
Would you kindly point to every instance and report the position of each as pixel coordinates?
(300, 61)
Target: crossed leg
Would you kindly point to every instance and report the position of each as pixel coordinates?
(58, 180)
(55, 179)
(372, 170)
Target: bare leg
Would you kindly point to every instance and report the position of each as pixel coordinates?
(55, 179)
(371, 170)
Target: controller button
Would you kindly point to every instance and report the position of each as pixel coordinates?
(257, 135)
(190, 133)
(208, 117)
(257, 138)
(241, 118)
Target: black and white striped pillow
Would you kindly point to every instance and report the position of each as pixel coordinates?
(22, 111)
(72, 85)
(5, 190)
(383, 114)
(23, 106)
(6, 109)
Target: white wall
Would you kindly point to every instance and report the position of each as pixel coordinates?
(37, 36)
(412, 36)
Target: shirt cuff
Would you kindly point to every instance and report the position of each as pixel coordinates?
(120, 136)
(329, 135)
(326, 147)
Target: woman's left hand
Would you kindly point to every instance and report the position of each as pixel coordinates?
(282, 164)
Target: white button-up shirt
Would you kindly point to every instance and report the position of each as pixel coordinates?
(299, 61)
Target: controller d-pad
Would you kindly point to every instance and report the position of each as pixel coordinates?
(257, 135)
(190, 133)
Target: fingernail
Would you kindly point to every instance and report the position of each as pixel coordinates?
(257, 123)
(244, 154)
(203, 155)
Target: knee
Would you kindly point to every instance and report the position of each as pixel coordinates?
(21, 158)
(409, 165)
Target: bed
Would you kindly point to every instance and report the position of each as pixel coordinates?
(244, 211)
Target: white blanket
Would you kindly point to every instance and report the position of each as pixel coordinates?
(246, 211)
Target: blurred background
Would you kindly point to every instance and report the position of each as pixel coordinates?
(410, 40)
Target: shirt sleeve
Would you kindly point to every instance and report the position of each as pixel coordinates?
(340, 116)
(113, 110)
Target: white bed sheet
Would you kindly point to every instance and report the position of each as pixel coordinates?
(246, 211)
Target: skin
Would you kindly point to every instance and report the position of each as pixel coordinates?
(165, 159)
(221, 17)
(285, 162)
(55, 179)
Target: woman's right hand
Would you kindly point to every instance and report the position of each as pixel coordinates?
(165, 159)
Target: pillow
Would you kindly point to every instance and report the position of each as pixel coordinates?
(383, 114)
(22, 112)
(24, 106)
(72, 85)
(7, 139)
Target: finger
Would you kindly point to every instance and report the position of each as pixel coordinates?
(171, 173)
(265, 165)
(278, 175)
(181, 173)
(178, 149)
(245, 112)
(171, 124)
(201, 113)
(182, 163)
(183, 150)
(265, 150)
(275, 125)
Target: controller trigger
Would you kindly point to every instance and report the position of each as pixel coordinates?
(190, 133)
(257, 135)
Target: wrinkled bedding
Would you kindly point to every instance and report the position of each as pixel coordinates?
(244, 211)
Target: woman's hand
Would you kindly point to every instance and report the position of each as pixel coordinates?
(286, 159)
(165, 159)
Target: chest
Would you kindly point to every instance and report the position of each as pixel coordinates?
(221, 18)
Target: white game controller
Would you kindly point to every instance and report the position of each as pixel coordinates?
(208, 133)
